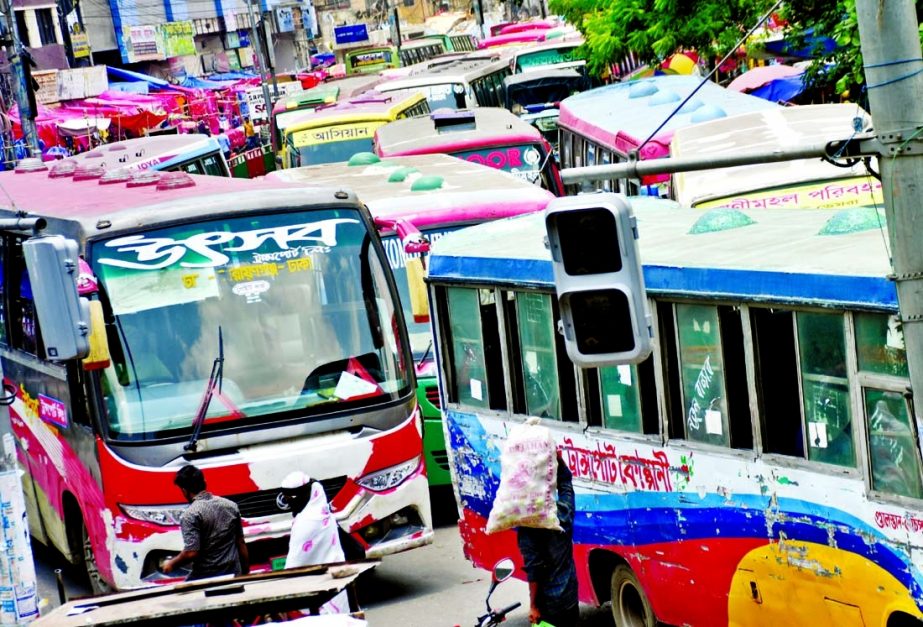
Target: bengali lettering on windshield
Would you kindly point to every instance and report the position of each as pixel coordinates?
(524, 161)
(301, 301)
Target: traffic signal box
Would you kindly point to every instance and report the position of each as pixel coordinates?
(597, 275)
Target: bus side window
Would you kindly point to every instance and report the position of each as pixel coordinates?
(25, 334)
(825, 387)
(549, 381)
(894, 457)
(624, 398)
(712, 379)
(778, 394)
(475, 362)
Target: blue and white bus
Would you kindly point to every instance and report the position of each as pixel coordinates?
(761, 467)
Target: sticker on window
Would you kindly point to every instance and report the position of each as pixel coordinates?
(251, 290)
(351, 386)
(817, 434)
(477, 390)
(713, 424)
(614, 403)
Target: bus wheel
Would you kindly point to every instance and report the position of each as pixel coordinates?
(630, 607)
(97, 584)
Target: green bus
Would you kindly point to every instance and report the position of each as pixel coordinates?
(370, 60)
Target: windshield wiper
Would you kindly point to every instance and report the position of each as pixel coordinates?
(429, 347)
(215, 379)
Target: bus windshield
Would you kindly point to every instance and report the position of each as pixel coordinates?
(301, 299)
(330, 144)
(445, 96)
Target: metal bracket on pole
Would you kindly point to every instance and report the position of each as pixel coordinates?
(907, 141)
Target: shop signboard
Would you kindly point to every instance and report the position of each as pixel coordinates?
(178, 39)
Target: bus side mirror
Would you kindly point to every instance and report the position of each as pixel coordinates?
(419, 304)
(64, 317)
(598, 280)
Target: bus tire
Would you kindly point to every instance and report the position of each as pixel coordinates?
(88, 558)
(630, 607)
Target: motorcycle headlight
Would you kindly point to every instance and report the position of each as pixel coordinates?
(166, 515)
(390, 477)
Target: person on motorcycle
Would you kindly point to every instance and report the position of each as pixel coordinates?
(548, 559)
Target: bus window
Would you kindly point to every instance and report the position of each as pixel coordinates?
(825, 388)
(213, 166)
(476, 362)
(538, 358)
(716, 404)
(893, 455)
(191, 167)
(776, 356)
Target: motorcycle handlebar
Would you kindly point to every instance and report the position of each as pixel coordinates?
(502, 613)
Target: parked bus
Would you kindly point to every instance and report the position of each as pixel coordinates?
(192, 153)
(523, 38)
(760, 468)
(805, 183)
(438, 194)
(287, 109)
(458, 84)
(419, 50)
(545, 56)
(535, 96)
(604, 125)
(253, 329)
(336, 132)
(370, 60)
(486, 135)
(455, 43)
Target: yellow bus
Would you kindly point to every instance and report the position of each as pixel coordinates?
(335, 132)
(370, 60)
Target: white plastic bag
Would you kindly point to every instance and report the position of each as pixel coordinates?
(528, 481)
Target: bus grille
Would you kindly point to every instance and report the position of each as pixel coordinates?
(432, 395)
(265, 502)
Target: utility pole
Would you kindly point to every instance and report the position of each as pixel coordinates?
(890, 40)
(21, 75)
(258, 42)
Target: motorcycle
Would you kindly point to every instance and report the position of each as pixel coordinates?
(502, 571)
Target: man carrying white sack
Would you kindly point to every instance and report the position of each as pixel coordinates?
(314, 538)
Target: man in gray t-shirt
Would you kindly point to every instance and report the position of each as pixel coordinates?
(213, 536)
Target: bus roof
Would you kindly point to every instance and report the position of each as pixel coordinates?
(146, 151)
(351, 86)
(780, 257)
(446, 132)
(88, 209)
(513, 39)
(769, 129)
(370, 106)
(322, 94)
(466, 192)
(622, 115)
(453, 71)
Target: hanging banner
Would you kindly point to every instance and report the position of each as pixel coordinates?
(141, 43)
(80, 43)
(285, 20)
(178, 39)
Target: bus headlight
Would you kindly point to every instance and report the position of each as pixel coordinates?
(391, 477)
(166, 515)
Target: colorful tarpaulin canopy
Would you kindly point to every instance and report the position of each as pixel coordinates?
(759, 76)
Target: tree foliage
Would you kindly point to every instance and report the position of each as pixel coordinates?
(655, 29)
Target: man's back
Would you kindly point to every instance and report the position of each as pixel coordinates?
(211, 525)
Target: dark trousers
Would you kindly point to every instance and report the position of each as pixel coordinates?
(567, 618)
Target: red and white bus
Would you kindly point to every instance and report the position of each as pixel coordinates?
(274, 301)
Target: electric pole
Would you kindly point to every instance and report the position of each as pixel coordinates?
(258, 43)
(21, 79)
(890, 40)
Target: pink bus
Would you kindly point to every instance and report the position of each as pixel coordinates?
(486, 135)
(438, 194)
(253, 328)
(513, 39)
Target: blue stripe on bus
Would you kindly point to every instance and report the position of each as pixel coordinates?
(639, 518)
(751, 285)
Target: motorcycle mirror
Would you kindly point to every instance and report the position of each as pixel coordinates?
(503, 570)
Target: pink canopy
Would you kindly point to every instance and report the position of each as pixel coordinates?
(759, 76)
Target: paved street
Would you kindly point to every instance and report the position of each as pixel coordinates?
(432, 586)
